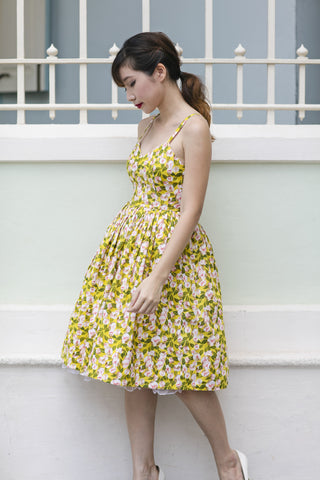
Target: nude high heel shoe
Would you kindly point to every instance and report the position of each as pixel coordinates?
(244, 464)
(161, 474)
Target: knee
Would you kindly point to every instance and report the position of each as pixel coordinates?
(195, 395)
(184, 395)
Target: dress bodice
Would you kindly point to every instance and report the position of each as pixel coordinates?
(158, 175)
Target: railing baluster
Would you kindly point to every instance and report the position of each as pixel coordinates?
(52, 52)
(302, 53)
(208, 46)
(271, 55)
(114, 88)
(21, 96)
(83, 78)
(145, 26)
(239, 56)
(146, 15)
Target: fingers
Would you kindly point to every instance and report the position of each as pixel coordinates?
(134, 298)
(151, 309)
(145, 297)
(139, 304)
(142, 306)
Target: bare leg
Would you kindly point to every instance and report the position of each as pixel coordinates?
(140, 413)
(206, 410)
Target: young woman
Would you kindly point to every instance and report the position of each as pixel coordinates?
(149, 316)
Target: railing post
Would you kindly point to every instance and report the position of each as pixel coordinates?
(271, 56)
(209, 47)
(52, 52)
(145, 26)
(239, 56)
(21, 96)
(83, 79)
(114, 88)
(146, 15)
(302, 53)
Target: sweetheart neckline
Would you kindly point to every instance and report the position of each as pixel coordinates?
(167, 144)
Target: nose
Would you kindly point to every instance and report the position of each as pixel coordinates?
(130, 97)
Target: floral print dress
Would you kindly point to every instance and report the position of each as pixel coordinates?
(182, 345)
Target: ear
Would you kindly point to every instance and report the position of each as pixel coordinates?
(160, 72)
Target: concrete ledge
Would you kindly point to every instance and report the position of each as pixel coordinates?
(113, 143)
(257, 335)
(257, 360)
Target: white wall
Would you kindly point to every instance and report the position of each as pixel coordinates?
(60, 186)
(56, 426)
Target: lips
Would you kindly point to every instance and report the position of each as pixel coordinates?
(139, 105)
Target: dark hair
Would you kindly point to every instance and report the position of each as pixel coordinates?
(145, 50)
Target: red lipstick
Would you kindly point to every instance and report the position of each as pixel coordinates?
(139, 105)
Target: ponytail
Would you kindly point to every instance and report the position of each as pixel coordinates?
(193, 92)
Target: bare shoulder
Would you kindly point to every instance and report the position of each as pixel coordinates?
(196, 129)
(143, 125)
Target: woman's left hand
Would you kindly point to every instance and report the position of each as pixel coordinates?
(146, 297)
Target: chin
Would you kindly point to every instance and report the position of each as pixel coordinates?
(149, 110)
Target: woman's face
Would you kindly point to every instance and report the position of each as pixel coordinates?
(143, 91)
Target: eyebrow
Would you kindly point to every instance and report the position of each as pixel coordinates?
(129, 76)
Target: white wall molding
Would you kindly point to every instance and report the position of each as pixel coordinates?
(113, 143)
(258, 335)
(284, 360)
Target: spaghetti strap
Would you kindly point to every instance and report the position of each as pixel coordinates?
(146, 130)
(180, 127)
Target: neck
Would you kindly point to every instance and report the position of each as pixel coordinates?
(172, 104)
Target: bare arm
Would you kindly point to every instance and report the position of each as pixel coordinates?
(197, 147)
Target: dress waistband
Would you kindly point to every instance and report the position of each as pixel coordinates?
(150, 204)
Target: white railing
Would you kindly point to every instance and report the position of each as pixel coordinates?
(83, 106)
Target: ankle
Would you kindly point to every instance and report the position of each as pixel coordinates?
(230, 461)
(145, 472)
